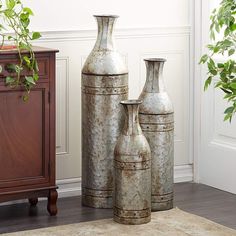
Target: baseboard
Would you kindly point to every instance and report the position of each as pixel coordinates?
(183, 173)
(72, 187)
(69, 187)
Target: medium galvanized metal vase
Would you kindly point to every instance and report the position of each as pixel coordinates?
(132, 167)
(104, 85)
(156, 116)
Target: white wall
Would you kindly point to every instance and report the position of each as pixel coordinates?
(153, 28)
(76, 15)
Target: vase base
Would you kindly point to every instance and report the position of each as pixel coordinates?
(97, 202)
(131, 221)
(131, 217)
(162, 202)
(162, 206)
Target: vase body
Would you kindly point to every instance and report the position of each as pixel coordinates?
(157, 122)
(104, 85)
(132, 167)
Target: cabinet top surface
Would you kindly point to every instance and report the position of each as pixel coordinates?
(36, 50)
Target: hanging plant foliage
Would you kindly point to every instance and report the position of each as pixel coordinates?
(15, 18)
(223, 36)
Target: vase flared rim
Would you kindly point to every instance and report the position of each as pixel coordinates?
(106, 16)
(155, 59)
(131, 102)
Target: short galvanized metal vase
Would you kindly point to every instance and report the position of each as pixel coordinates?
(132, 190)
(156, 116)
(104, 85)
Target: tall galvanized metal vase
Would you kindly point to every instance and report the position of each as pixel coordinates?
(132, 164)
(104, 85)
(157, 122)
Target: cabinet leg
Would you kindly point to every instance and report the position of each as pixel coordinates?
(52, 202)
(33, 201)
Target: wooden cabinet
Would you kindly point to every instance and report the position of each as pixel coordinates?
(27, 134)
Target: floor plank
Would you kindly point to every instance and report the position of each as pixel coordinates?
(202, 200)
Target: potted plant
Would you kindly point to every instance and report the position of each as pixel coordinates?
(15, 18)
(223, 36)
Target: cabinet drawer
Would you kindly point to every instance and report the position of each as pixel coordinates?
(43, 65)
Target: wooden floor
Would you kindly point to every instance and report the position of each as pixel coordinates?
(199, 199)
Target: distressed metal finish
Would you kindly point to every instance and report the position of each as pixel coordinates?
(104, 85)
(104, 59)
(157, 122)
(132, 167)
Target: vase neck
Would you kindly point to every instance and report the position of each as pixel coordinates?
(105, 32)
(132, 126)
(154, 78)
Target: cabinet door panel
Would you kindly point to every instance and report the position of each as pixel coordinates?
(24, 135)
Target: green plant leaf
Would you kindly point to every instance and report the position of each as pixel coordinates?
(207, 83)
(228, 117)
(210, 47)
(30, 80)
(24, 46)
(8, 13)
(16, 18)
(229, 110)
(212, 62)
(36, 35)
(27, 60)
(216, 49)
(227, 43)
(212, 35)
(9, 80)
(24, 17)
(231, 51)
(233, 85)
(28, 10)
(203, 59)
(227, 96)
(35, 66)
(226, 32)
(218, 84)
(220, 65)
(25, 97)
(213, 72)
(225, 90)
(233, 27)
(10, 4)
(36, 77)
(217, 27)
(11, 68)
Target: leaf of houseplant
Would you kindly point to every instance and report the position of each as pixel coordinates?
(36, 35)
(30, 80)
(233, 85)
(16, 18)
(9, 80)
(223, 24)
